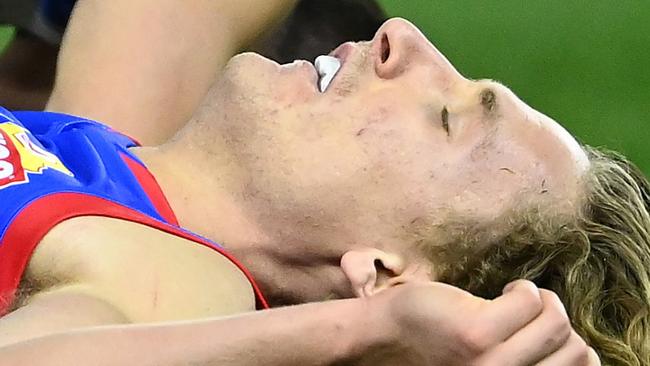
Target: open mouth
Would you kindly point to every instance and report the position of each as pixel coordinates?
(327, 68)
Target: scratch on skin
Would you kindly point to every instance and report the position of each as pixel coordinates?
(361, 131)
(154, 302)
(507, 170)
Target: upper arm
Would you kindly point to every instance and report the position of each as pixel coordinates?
(59, 310)
(143, 67)
(140, 67)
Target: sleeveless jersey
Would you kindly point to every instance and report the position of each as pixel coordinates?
(54, 167)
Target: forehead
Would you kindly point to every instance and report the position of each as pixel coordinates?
(528, 118)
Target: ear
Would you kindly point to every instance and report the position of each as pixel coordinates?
(371, 270)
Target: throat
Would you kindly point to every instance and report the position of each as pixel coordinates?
(204, 199)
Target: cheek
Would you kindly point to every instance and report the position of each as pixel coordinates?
(399, 143)
(403, 171)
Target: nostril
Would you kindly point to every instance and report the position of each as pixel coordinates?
(385, 48)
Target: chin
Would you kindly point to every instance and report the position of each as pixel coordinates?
(255, 75)
(245, 72)
(251, 58)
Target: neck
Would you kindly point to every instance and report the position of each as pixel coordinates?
(207, 193)
(202, 192)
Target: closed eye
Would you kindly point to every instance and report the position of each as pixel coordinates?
(444, 116)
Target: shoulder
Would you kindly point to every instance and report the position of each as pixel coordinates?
(148, 274)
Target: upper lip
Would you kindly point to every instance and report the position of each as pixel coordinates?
(342, 53)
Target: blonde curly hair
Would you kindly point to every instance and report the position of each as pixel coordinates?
(597, 261)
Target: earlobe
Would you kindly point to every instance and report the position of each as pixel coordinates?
(371, 270)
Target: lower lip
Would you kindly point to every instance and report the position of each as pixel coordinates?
(304, 70)
(302, 64)
(295, 64)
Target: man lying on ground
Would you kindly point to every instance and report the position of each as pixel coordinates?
(400, 172)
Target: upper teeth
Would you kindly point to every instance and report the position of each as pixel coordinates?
(327, 67)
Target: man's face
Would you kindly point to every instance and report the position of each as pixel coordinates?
(398, 142)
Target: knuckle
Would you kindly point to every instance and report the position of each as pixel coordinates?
(474, 340)
(582, 351)
(524, 284)
(560, 324)
(552, 300)
(555, 314)
(548, 295)
(582, 357)
(579, 351)
(530, 297)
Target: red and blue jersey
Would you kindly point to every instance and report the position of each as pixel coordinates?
(54, 167)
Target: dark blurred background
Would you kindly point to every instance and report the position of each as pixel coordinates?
(584, 63)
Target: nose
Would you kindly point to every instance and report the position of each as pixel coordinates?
(399, 45)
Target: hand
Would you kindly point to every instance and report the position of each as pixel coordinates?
(438, 324)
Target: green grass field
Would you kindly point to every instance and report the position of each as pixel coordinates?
(584, 63)
(5, 37)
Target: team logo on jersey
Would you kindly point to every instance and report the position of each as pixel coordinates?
(20, 156)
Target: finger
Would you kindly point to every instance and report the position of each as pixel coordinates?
(575, 352)
(510, 312)
(538, 339)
